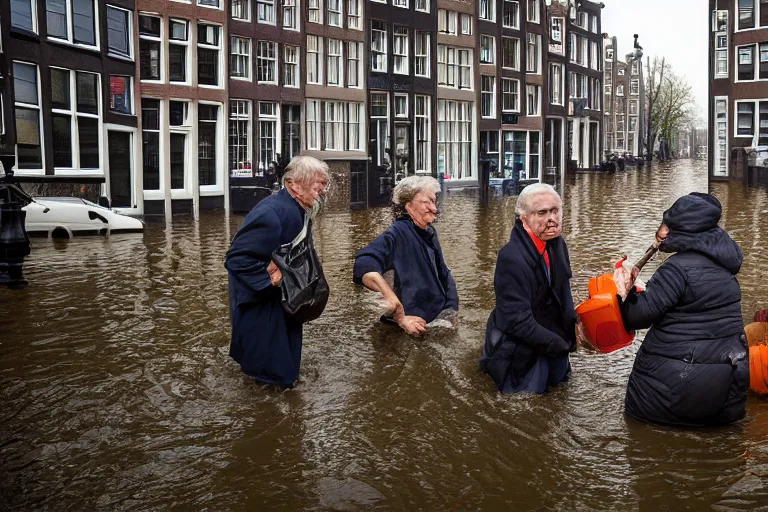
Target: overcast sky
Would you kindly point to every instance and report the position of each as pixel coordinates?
(675, 29)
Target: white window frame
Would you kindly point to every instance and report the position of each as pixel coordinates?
(486, 93)
(515, 94)
(422, 53)
(400, 55)
(70, 39)
(465, 24)
(421, 112)
(273, 119)
(266, 6)
(465, 67)
(756, 15)
(184, 129)
(313, 115)
(716, 169)
(162, 116)
(291, 66)
(634, 87)
(354, 21)
(236, 46)
(380, 157)
(533, 15)
(208, 4)
(74, 117)
(33, 15)
(488, 51)
(487, 10)
(221, 142)
(755, 117)
(459, 114)
(130, 85)
(516, 62)
(403, 114)
(315, 11)
(402, 4)
(422, 5)
(335, 12)
(555, 83)
(379, 58)
(41, 130)
(516, 21)
(354, 57)
(447, 22)
(289, 10)
(335, 52)
(273, 60)
(129, 27)
(240, 115)
(245, 5)
(187, 52)
(537, 97)
(316, 50)
(156, 39)
(220, 80)
(535, 40)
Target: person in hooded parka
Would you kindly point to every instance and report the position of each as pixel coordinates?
(692, 368)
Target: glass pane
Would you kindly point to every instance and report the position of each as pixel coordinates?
(62, 140)
(178, 142)
(120, 94)
(25, 83)
(88, 131)
(208, 66)
(206, 156)
(150, 114)
(149, 57)
(87, 93)
(56, 18)
(177, 113)
(21, 14)
(28, 139)
(83, 21)
(151, 163)
(117, 30)
(149, 25)
(178, 30)
(60, 89)
(177, 63)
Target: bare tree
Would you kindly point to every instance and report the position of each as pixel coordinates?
(670, 106)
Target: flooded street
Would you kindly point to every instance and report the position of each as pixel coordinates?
(118, 392)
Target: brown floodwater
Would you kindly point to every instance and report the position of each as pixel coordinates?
(117, 391)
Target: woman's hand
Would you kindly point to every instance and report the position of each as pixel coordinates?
(413, 325)
(274, 274)
(624, 280)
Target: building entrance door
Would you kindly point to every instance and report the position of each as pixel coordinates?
(120, 158)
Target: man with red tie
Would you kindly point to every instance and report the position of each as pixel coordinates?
(532, 329)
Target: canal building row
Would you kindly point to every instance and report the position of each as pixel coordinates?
(160, 105)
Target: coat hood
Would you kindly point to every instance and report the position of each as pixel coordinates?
(692, 222)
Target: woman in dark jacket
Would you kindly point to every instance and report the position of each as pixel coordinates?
(692, 368)
(532, 329)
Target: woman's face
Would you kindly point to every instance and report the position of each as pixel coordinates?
(307, 194)
(662, 233)
(422, 208)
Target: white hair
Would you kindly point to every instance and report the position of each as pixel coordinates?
(408, 188)
(302, 169)
(523, 205)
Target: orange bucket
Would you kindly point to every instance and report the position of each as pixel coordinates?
(601, 317)
(758, 369)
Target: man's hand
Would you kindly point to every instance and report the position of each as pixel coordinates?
(274, 274)
(624, 280)
(413, 325)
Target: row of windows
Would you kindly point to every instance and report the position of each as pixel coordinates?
(341, 66)
(751, 14)
(752, 62)
(272, 65)
(274, 127)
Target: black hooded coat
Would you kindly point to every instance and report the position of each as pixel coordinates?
(693, 367)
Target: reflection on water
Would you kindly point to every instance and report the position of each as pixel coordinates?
(118, 392)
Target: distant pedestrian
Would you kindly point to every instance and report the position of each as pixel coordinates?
(265, 342)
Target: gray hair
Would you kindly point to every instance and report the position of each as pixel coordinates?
(408, 187)
(302, 169)
(523, 205)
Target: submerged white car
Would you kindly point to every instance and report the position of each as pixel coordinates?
(70, 216)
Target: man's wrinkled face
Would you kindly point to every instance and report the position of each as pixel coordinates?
(544, 217)
(422, 208)
(308, 194)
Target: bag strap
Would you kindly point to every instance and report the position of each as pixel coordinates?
(303, 233)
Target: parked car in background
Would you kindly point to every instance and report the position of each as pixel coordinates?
(64, 217)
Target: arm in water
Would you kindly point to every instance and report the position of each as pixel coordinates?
(413, 325)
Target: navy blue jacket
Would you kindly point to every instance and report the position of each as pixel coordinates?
(534, 317)
(264, 341)
(692, 368)
(423, 282)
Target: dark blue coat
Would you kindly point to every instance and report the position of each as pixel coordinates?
(692, 368)
(423, 282)
(533, 326)
(264, 341)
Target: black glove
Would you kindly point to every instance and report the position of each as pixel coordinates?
(558, 347)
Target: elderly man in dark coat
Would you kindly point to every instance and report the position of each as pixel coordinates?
(423, 284)
(692, 368)
(265, 342)
(533, 326)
